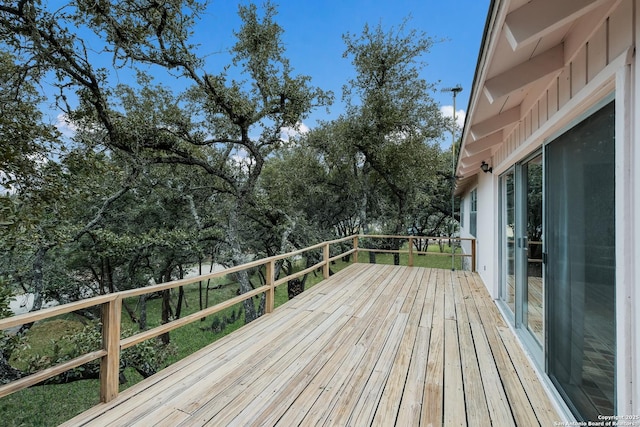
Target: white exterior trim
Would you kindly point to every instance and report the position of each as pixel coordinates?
(627, 195)
(626, 360)
(600, 62)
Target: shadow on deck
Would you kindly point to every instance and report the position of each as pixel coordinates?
(372, 345)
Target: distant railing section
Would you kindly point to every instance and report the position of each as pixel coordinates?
(534, 250)
(111, 308)
(411, 251)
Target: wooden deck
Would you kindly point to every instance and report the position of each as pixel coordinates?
(372, 345)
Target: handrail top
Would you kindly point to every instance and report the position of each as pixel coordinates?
(22, 319)
(412, 236)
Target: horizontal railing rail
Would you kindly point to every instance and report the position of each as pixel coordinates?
(111, 309)
(411, 251)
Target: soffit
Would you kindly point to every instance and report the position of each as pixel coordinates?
(508, 71)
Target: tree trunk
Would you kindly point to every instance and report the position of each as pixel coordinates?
(109, 274)
(262, 305)
(101, 278)
(166, 314)
(130, 311)
(38, 277)
(200, 301)
(295, 287)
(38, 282)
(364, 202)
(7, 372)
(180, 300)
(142, 321)
(250, 313)
(206, 296)
(237, 258)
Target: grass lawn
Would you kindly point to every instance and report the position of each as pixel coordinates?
(433, 259)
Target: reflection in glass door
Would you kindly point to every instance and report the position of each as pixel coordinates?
(531, 278)
(580, 272)
(507, 247)
(521, 236)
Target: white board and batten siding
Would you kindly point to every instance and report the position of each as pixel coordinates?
(598, 63)
(547, 111)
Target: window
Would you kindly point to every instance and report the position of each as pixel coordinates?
(472, 213)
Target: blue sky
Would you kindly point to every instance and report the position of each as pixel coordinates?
(313, 37)
(314, 29)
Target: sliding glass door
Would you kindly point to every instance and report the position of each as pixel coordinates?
(580, 269)
(508, 245)
(530, 248)
(521, 247)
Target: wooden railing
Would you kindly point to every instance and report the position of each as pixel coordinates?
(111, 309)
(411, 251)
(511, 242)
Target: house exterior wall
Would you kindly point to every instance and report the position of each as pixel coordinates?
(465, 207)
(486, 247)
(465, 225)
(486, 229)
(603, 65)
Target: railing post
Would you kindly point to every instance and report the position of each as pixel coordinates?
(410, 251)
(355, 246)
(271, 293)
(473, 255)
(110, 364)
(325, 266)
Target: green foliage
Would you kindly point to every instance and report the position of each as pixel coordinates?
(21, 123)
(379, 164)
(5, 295)
(388, 92)
(317, 200)
(68, 339)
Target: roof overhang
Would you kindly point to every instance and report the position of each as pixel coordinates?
(526, 44)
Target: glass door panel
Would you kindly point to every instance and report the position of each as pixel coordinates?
(521, 247)
(508, 247)
(580, 268)
(532, 280)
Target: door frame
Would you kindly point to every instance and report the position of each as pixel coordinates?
(534, 347)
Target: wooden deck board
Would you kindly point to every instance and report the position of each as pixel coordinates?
(389, 406)
(315, 401)
(410, 408)
(433, 387)
(476, 405)
(372, 345)
(389, 375)
(348, 397)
